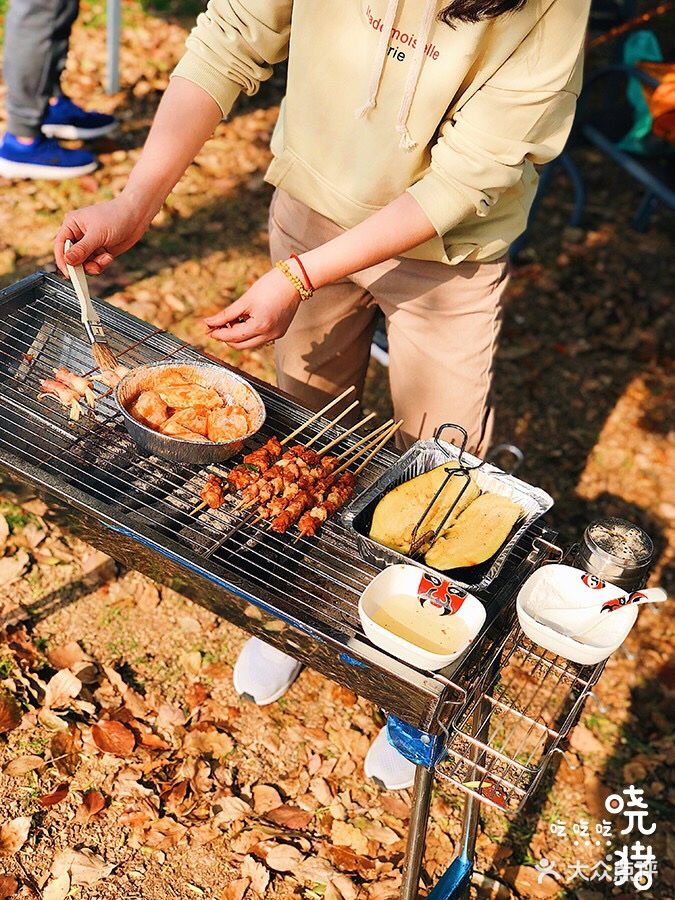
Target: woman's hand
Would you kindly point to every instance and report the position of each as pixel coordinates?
(259, 316)
(99, 233)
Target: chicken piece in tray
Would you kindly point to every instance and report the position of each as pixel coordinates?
(175, 429)
(194, 418)
(227, 424)
(183, 396)
(63, 394)
(149, 409)
(78, 383)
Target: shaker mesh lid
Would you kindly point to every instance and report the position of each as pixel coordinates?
(620, 540)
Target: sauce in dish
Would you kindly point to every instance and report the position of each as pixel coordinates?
(428, 626)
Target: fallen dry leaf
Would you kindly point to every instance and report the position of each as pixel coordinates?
(23, 764)
(113, 737)
(214, 743)
(55, 797)
(381, 833)
(61, 689)
(14, 834)
(92, 804)
(4, 531)
(132, 699)
(290, 817)
(164, 834)
(192, 662)
(283, 858)
(196, 694)
(230, 809)
(64, 748)
(346, 887)
(10, 712)
(8, 886)
(257, 873)
(11, 567)
(235, 890)
(314, 870)
(265, 798)
(50, 720)
(58, 888)
(66, 655)
(344, 858)
(84, 866)
(346, 835)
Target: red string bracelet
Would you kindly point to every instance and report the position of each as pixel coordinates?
(308, 282)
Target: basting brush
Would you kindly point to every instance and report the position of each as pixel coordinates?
(100, 349)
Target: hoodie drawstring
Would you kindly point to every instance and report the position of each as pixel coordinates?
(380, 57)
(405, 141)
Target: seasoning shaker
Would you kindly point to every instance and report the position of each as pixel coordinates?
(617, 551)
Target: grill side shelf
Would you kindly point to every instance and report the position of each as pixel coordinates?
(501, 742)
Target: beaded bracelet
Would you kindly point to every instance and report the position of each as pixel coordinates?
(305, 294)
(308, 282)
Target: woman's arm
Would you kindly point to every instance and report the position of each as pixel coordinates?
(268, 307)
(185, 119)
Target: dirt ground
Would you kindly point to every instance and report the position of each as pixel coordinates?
(130, 767)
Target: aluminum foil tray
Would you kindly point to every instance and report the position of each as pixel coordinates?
(420, 458)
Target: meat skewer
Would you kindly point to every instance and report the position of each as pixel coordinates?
(339, 494)
(264, 464)
(245, 474)
(310, 498)
(341, 490)
(111, 377)
(79, 384)
(212, 492)
(64, 394)
(254, 464)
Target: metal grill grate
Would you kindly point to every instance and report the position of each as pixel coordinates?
(314, 584)
(97, 454)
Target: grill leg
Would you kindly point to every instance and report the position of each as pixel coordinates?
(455, 881)
(419, 816)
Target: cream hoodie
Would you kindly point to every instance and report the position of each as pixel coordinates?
(384, 98)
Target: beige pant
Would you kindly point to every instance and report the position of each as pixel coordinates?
(442, 324)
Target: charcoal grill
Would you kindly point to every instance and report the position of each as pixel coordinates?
(488, 724)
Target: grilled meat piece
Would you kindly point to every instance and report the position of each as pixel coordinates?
(182, 396)
(66, 396)
(227, 424)
(80, 384)
(150, 409)
(194, 418)
(212, 493)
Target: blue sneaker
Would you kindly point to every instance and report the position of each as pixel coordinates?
(67, 121)
(43, 158)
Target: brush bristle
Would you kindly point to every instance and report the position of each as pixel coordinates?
(103, 356)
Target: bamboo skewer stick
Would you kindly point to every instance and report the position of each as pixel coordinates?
(380, 441)
(368, 458)
(331, 424)
(316, 416)
(345, 434)
(366, 439)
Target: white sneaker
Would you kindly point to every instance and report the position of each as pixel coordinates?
(386, 766)
(262, 673)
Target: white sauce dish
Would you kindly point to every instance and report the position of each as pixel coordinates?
(419, 617)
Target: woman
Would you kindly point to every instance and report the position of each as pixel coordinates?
(404, 165)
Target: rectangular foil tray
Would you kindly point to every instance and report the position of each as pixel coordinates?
(420, 458)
